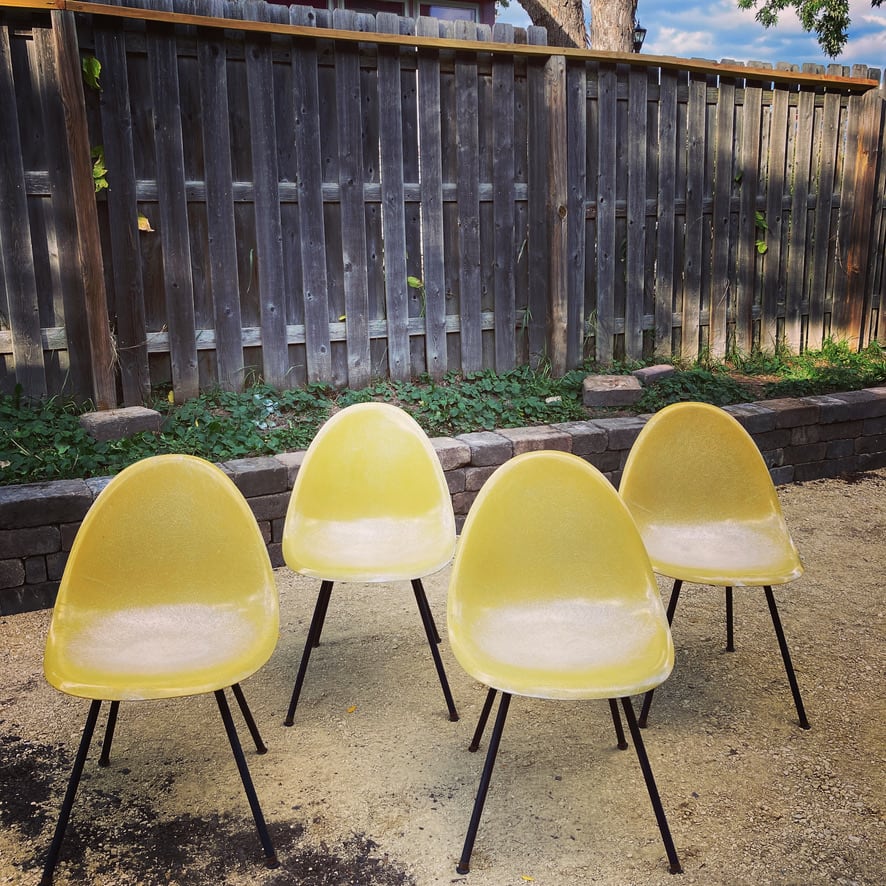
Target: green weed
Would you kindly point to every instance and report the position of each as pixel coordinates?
(43, 440)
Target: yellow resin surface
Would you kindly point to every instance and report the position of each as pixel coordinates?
(168, 590)
(370, 502)
(552, 594)
(704, 502)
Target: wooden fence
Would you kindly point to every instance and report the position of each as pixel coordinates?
(397, 197)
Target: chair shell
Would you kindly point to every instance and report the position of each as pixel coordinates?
(370, 501)
(551, 593)
(168, 589)
(700, 492)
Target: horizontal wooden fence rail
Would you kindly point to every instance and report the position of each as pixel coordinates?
(300, 195)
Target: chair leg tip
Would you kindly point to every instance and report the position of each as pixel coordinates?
(261, 750)
(622, 745)
(288, 721)
(453, 718)
(676, 868)
(271, 861)
(462, 869)
(805, 724)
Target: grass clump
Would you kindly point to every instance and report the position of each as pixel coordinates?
(834, 368)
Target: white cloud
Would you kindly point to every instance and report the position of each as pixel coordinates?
(720, 30)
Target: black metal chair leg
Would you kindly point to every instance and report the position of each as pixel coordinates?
(786, 657)
(263, 835)
(325, 593)
(673, 860)
(313, 638)
(68, 802)
(419, 588)
(428, 621)
(730, 645)
(481, 723)
(464, 864)
(616, 721)
(105, 758)
(260, 747)
(672, 608)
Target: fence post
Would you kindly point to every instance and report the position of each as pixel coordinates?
(848, 318)
(850, 312)
(67, 59)
(558, 197)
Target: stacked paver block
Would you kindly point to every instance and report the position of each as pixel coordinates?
(800, 439)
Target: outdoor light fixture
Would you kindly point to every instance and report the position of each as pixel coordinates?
(639, 35)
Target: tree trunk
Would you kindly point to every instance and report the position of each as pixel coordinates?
(563, 19)
(612, 25)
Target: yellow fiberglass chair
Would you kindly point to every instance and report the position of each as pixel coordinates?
(708, 512)
(369, 504)
(552, 596)
(168, 592)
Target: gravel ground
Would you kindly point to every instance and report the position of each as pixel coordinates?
(374, 785)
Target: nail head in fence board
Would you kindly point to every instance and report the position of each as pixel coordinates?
(122, 202)
(353, 219)
(393, 207)
(63, 217)
(212, 65)
(310, 201)
(431, 164)
(468, 190)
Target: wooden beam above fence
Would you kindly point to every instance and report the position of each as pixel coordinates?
(699, 66)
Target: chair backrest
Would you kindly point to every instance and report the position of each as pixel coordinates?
(170, 534)
(701, 495)
(549, 530)
(694, 463)
(370, 501)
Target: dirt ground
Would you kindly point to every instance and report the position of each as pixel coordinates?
(374, 785)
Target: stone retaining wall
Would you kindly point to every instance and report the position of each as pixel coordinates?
(801, 439)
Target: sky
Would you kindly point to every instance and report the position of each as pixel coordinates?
(719, 30)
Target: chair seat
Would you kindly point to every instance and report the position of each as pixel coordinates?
(377, 549)
(162, 651)
(735, 553)
(566, 649)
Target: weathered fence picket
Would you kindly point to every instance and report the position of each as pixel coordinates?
(393, 197)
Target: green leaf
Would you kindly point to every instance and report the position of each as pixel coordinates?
(92, 69)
